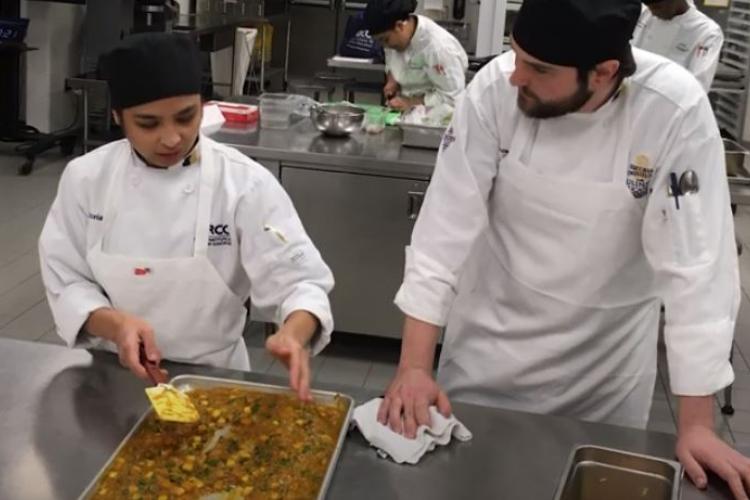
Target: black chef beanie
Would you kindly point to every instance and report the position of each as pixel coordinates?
(382, 15)
(147, 67)
(578, 33)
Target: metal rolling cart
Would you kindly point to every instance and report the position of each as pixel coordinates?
(729, 90)
(87, 86)
(738, 174)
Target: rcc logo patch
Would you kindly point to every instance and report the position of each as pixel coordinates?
(219, 235)
(219, 229)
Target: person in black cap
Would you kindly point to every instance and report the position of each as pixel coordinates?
(677, 30)
(159, 240)
(425, 65)
(579, 187)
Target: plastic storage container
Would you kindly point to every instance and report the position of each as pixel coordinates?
(276, 110)
(375, 120)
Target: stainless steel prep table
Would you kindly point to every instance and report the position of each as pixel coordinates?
(63, 412)
(370, 154)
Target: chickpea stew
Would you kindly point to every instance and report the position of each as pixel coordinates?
(248, 444)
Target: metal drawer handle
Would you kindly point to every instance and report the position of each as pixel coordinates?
(415, 199)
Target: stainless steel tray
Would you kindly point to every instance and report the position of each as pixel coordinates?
(595, 473)
(421, 136)
(188, 382)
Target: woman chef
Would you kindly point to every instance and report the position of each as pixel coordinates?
(424, 63)
(579, 187)
(160, 238)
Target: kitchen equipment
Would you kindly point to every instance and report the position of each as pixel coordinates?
(337, 119)
(237, 112)
(185, 383)
(155, 15)
(276, 109)
(422, 136)
(459, 9)
(595, 473)
(168, 402)
(736, 157)
(375, 118)
(689, 183)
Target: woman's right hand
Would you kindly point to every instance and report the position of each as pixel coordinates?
(406, 404)
(128, 332)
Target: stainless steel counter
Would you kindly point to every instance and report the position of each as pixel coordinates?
(379, 154)
(63, 412)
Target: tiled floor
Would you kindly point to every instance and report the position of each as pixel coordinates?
(350, 359)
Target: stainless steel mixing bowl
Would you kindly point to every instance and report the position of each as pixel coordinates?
(337, 119)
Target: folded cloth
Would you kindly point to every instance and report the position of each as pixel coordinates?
(400, 448)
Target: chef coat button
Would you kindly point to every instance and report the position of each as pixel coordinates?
(188, 189)
(135, 180)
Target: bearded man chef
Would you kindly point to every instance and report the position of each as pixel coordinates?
(160, 238)
(554, 228)
(424, 63)
(677, 30)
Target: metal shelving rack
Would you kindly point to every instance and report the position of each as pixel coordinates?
(730, 97)
(511, 9)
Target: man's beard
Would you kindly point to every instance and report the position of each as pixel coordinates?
(533, 107)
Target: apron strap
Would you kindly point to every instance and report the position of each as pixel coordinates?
(114, 190)
(625, 135)
(205, 198)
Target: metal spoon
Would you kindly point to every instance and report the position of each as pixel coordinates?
(689, 182)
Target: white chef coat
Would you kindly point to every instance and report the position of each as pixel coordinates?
(256, 243)
(434, 64)
(546, 248)
(693, 40)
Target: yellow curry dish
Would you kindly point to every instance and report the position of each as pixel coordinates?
(246, 445)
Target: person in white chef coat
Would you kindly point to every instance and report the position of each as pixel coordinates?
(677, 30)
(424, 63)
(160, 238)
(580, 186)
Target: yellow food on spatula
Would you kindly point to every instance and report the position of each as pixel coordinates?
(171, 404)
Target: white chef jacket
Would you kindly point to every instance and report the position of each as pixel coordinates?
(692, 40)
(250, 214)
(563, 318)
(434, 64)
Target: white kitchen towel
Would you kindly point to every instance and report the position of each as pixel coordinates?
(400, 448)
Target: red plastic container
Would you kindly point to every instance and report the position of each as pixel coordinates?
(238, 113)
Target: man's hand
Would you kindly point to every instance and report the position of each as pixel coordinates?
(289, 345)
(700, 449)
(407, 400)
(127, 332)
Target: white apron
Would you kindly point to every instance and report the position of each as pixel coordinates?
(195, 316)
(556, 311)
